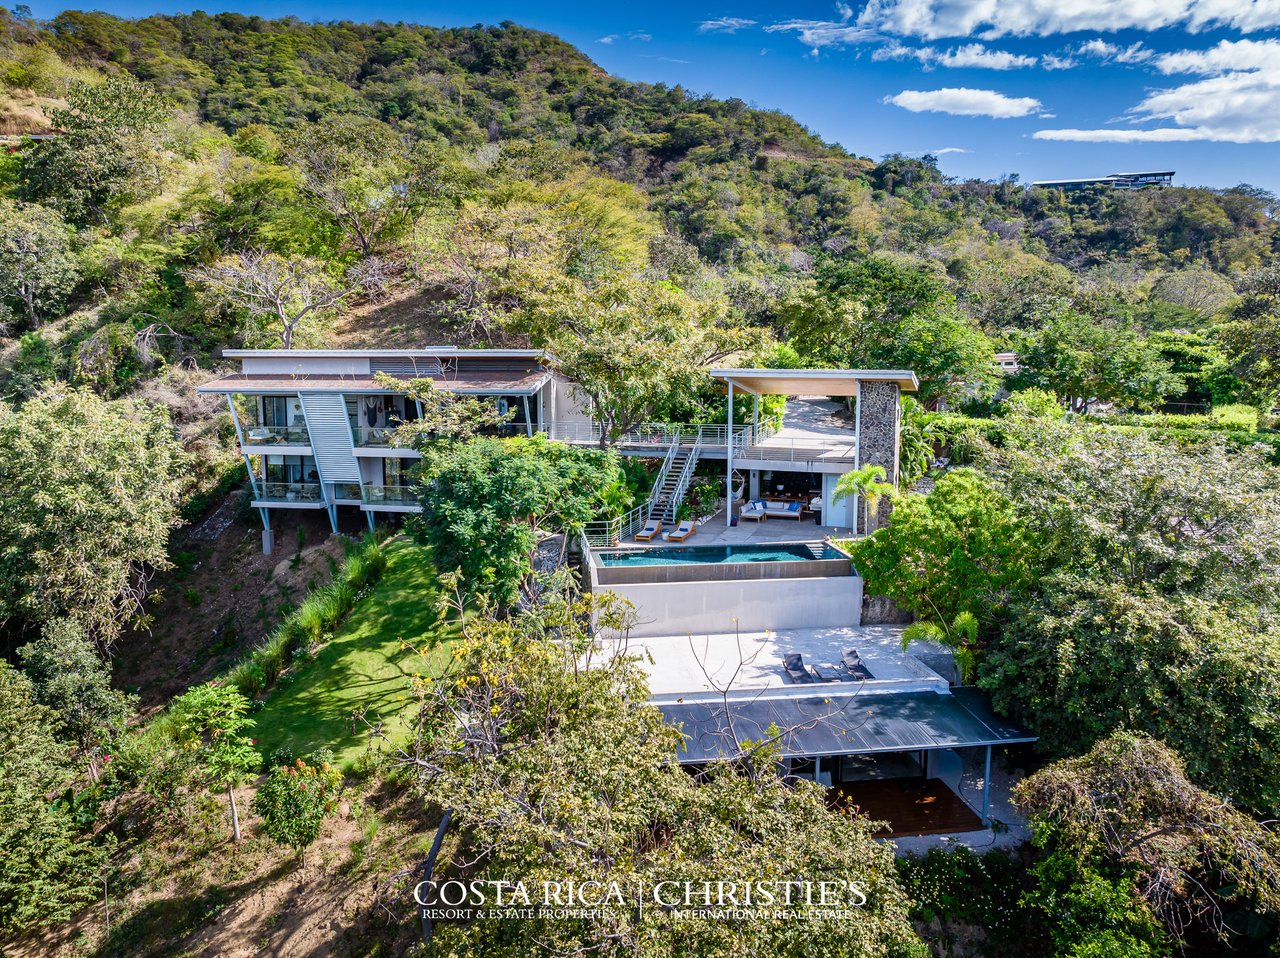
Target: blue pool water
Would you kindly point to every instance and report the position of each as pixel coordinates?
(703, 555)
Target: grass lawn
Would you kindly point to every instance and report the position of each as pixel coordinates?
(366, 664)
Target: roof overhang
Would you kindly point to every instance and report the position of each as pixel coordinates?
(474, 384)
(853, 724)
(429, 352)
(812, 382)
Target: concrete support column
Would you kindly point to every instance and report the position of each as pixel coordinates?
(879, 423)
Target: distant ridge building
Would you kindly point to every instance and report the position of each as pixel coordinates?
(1119, 181)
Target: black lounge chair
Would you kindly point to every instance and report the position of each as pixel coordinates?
(853, 662)
(793, 662)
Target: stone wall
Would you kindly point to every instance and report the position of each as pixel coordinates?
(879, 418)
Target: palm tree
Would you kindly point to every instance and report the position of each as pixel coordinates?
(867, 484)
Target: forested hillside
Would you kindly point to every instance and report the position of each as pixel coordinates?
(1104, 560)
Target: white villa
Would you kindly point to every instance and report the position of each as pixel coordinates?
(752, 624)
(315, 429)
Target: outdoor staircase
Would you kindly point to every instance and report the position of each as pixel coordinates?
(673, 479)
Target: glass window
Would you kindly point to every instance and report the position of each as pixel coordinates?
(275, 410)
(393, 472)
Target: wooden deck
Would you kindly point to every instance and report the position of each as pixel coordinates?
(911, 806)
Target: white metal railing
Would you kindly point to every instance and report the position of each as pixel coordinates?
(661, 478)
(797, 449)
(686, 477)
(657, 434)
(609, 532)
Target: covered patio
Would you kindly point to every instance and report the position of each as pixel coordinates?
(819, 440)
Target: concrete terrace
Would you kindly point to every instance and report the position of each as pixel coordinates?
(694, 667)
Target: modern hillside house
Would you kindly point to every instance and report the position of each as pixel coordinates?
(315, 429)
(1117, 181)
(315, 425)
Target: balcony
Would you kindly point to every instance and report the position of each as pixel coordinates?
(397, 497)
(347, 491)
(298, 493)
(257, 435)
(372, 437)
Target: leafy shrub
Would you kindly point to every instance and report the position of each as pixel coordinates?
(320, 613)
(295, 800)
(961, 888)
(1235, 416)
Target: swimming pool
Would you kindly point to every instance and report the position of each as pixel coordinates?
(720, 555)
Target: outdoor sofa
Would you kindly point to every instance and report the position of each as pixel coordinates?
(760, 509)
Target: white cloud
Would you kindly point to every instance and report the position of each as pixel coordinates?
(950, 149)
(976, 55)
(1052, 61)
(962, 101)
(1100, 49)
(637, 35)
(970, 55)
(1226, 57)
(988, 19)
(817, 34)
(725, 25)
(1238, 101)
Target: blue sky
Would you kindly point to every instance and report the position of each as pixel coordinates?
(1041, 88)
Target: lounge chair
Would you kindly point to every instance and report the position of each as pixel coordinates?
(853, 662)
(793, 663)
(755, 509)
(682, 532)
(651, 529)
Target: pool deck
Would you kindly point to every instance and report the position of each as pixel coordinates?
(748, 532)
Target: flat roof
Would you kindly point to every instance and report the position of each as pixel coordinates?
(850, 724)
(812, 382)
(447, 351)
(692, 667)
(477, 383)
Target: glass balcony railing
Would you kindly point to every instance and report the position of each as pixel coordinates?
(347, 490)
(390, 495)
(373, 436)
(289, 492)
(256, 435)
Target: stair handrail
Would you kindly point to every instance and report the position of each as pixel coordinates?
(665, 468)
(686, 477)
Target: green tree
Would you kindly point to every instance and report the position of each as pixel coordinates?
(916, 438)
(884, 313)
(37, 265)
(107, 153)
(211, 720)
(1127, 808)
(559, 772)
(484, 503)
(960, 549)
(91, 489)
(1191, 676)
(1085, 361)
(295, 800)
(73, 681)
(50, 866)
(1199, 520)
(626, 343)
(360, 173)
